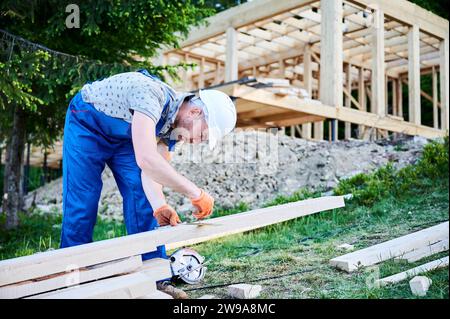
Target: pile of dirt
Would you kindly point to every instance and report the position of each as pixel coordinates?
(255, 167)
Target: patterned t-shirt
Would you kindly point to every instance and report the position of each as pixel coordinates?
(121, 94)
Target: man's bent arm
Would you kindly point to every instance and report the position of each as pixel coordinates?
(152, 163)
(152, 189)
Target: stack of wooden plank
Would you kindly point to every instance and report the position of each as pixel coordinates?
(114, 269)
(410, 248)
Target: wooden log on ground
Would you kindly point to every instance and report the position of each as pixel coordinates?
(67, 279)
(390, 249)
(432, 265)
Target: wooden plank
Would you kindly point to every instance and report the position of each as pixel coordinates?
(140, 283)
(424, 252)
(58, 281)
(159, 268)
(185, 235)
(378, 105)
(414, 75)
(409, 13)
(60, 260)
(308, 83)
(433, 265)
(231, 63)
(331, 64)
(129, 286)
(390, 249)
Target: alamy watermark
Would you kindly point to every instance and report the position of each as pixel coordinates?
(73, 19)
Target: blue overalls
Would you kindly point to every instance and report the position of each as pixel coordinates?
(91, 140)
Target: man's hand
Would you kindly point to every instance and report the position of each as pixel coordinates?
(204, 204)
(166, 215)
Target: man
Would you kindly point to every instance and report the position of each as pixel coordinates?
(131, 122)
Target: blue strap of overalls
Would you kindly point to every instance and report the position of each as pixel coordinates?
(160, 124)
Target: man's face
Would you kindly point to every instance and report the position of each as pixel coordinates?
(190, 124)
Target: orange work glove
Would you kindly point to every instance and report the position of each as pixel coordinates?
(166, 215)
(204, 204)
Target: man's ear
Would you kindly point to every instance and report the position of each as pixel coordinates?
(195, 111)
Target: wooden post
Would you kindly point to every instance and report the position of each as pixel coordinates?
(282, 68)
(201, 76)
(395, 96)
(414, 74)
(400, 97)
(231, 60)
(378, 64)
(361, 98)
(348, 101)
(186, 80)
(331, 47)
(443, 70)
(435, 98)
(307, 82)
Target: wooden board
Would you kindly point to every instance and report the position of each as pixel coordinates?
(185, 235)
(424, 252)
(61, 260)
(158, 267)
(436, 264)
(131, 286)
(390, 249)
(32, 287)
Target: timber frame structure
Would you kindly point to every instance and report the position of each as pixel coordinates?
(356, 59)
(352, 57)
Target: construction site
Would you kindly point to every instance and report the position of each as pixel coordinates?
(333, 184)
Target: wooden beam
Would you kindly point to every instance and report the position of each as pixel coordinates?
(444, 75)
(393, 248)
(185, 235)
(67, 279)
(435, 99)
(129, 286)
(201, 76)
(378, 105)
(331, 82)
(409, 13)
(231, 63)
(331, 63)
(414, 75)
(60, 260)
(266, 98)
(425, 251)
(361, 98)
(400, 98)
(432, 265)
(349, 99)
(308, 83)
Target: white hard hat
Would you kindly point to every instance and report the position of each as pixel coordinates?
(220, 114)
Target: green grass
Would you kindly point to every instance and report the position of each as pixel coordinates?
(387, 204)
